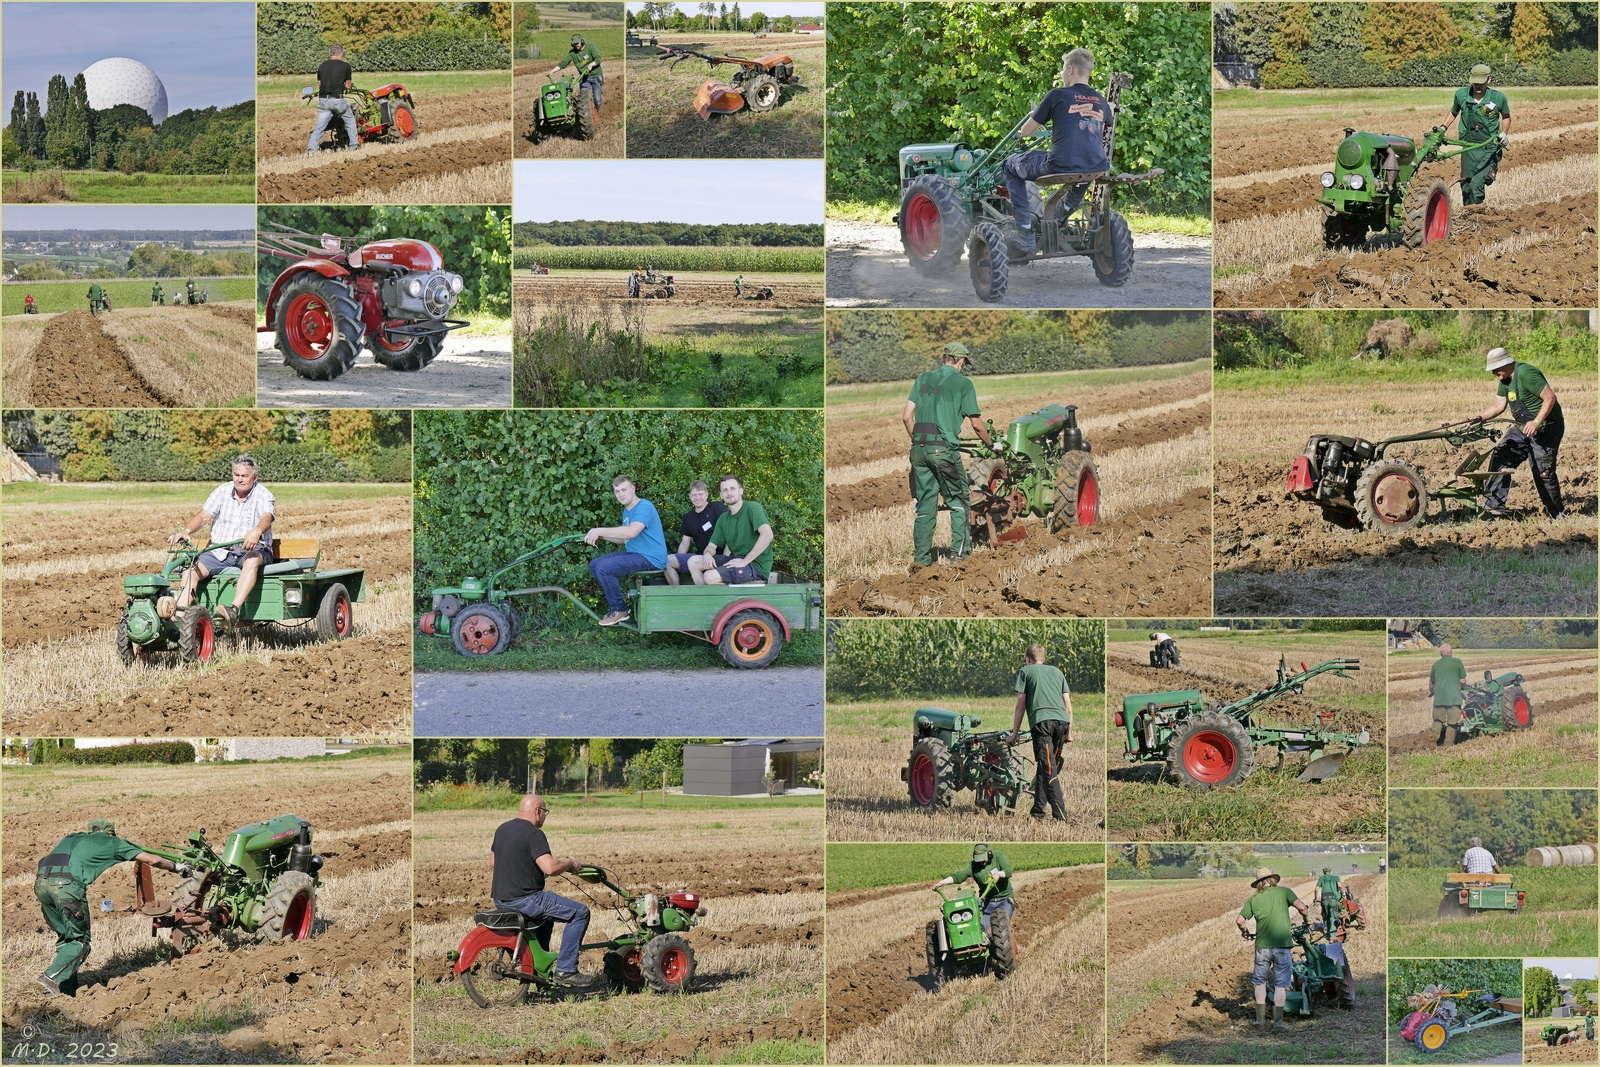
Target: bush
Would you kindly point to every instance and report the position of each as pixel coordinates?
(432, 50)
(390, 465)
(1575, 66)
(1411, 976)
(175, 752)
(966, 657)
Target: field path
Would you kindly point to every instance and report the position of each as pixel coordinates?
(468, 372)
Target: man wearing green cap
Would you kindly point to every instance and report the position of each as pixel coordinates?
(990, 871)
(1329, 892)
(156, 299)
(1535, 436)
(939, 400)
(1485, 116)
(586, 59)
(62, 886)
(1444, 686)
(1269, 907)
(97, 299)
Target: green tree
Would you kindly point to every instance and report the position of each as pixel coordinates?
(1396, 33)
(784, 24)
(19, 123)
(1540, 995)
(758, 21)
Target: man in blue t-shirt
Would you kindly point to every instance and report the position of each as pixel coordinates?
(646, 551)
(1077, 117)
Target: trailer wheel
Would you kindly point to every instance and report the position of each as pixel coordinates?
(480, 630)
(1520, 712)
(752, 638)
(933, 225)
(622, 971)
(490, 988)
(1077, 493)
(1391, 497)
(931, 777)
(197, 635)
(1113, 263)
(290, 908)
(1002, 945)
(334, 618)
(1211, 750)
(319, 327)
(1433, 1036)
(667, 963)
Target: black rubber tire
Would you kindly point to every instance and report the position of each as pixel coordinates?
(491, 618)
(583, 111)
(1115, 265)
(335, 137)
(1212, 722)
(1343, 231)
(1511, 694)
(483, 987)
(284, 891)
(766, 652)
(1070, 477)
(125, 647)
(394, 135)
(931, 950)
(418, 353)
(1423, 1029)
(989, 264)
(1002, 945)
(618, 978)
(1347, 989)
(944, 773)
(761, 93)
(191, 648)
(953, 223)
(345, 344)
(328, 614)
(1367, 485)
(650, 962)
(1414, 212)
(513, 620)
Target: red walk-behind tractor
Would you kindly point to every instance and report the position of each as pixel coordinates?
(385, 115)
(340, 295)
(758, 83)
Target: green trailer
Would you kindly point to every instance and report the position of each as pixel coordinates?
(1466, 894)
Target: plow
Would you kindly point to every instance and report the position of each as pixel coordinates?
(758, 84)
(948, 755)
(1376, 184)
(1044, 468)
(385, 115)
(1438, 1015)
(1320, 972)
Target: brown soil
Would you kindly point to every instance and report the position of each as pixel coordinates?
(1410, 744)
(607, 143)
(869, 990)
(1534, 1050)
(284, 133)
(235, 314)
(561, 285)
(1289, 710)
(76, 365)
(348, 171)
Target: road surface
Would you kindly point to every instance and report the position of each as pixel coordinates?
(470, 372)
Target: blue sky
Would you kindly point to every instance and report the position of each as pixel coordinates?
(204, 53)
(698, 191)
(128, 217)
(1579, 968)
(746, 7)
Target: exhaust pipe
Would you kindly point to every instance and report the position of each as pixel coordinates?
(943, 939)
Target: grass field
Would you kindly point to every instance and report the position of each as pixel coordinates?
(114, 187)
(728, 259)
(871, 866)
(1477, 1047)
(73, 295)
(1558, 918)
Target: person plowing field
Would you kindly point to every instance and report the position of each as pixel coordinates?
(241, 511)
(157, 299)
(1536, 436)
(62, 886)
(646, 551)
(522, 862)
(1269, 907)
(1485, 115)
(334, 76)
(990, 871)
(1077, 116)
(939, 400)
(28, 306)
(585, 59)
(1043, 695)
(98, 300)
(188, 286)
(1444, 686)
(738, 286)
(1163, 650)
(1329, 893)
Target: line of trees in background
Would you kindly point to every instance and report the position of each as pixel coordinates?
(155, 445)
(1432, 827)
(1226, 861)
(712, 16)
(600, 233)
(383, 35)
(1343, 44)
(1510, 633)
(957, 657)
(549, 764)
(1541, 992)
(150, 260)
(1310, 626)
(887, 346)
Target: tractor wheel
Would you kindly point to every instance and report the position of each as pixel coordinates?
(1077, 493)
(182, 941)
(761, 93)
(319, 327)
(931, 943)
(184, 895)
(480, 630)
(933, 226)
(127, 651)
(1347, 989)
(1391, 497)
(1426, 212)
(1113, 264)
(622, 970)
(752, 638)
(1002, 945)
(489, 989)
(1432, 1036)
(1210, 750)
(404, 125)
(197, 635)
(667, 963)
(334, 618)
(583, 105)
(988, 262)
(290, 909)
(1450, 907)
(513, 620)
(1519, 712)
(407, 353)
(1343, 231)
(931, 779)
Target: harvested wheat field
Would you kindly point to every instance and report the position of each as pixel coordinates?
(1581, 1049)
(1148, 555)
(565, 142)
(1179, 982)
(1558, 749)
(1144, 802)
(459, 154)
(1276, 555)
(1530, 244)
(132, 357)
(884, 1006)
(339, 997)
(698, 289)
(67, 549)
(758, 951)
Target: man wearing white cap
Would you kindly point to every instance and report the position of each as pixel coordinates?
(1536, 437)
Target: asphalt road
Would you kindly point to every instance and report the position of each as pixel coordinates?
(774, 702)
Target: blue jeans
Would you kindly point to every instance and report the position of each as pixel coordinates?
(327, 108)
(1022, 168)
(546, 909)
(1272, 963)
(593, 82)
(608, 571)
(994, 904)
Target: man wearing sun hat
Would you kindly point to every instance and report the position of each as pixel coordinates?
(1269, 907)
(1536, 437)
(1485, 116)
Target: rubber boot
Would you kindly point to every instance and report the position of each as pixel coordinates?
(1261, 1015)
(1277, 1019)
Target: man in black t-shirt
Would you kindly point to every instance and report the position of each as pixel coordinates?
(522, 861)
(333, 78)
(696, 529)
(1077, 117)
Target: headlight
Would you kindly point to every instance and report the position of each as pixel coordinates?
(1327, 179)
(1357, 181)
(414, 286)
(293, 595)
(455, 283)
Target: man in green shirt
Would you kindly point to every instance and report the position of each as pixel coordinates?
(1269, 907)
(745, 536)
(62, 886)
(1444, 686)
(939, 400)
(1329, 892)
(1042, 693)
(96, 298)
(1536, 437)
(585, 58)
(1485, 116)
(990, 871)
(156, 299)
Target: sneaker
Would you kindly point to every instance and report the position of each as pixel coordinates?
(614, 617)
(49, 984)
(574, 979)
(1020, 242)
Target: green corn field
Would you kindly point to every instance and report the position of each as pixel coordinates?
(958, 656)
(725, 258)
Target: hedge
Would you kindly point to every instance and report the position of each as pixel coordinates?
(958, 657)
(1348, 67)
(302, 51)
(137, 752)
(148, 461)
(1411, 976)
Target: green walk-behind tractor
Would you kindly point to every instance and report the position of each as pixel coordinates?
(1497, 705)
(263, 882)
(1375, 185)
(504, 959)
(955, 942)
(565, 105)
(953, 197)
(1566, 1033)
(1436, 1016)
(1206, 747)
(1472, 894)
(948, 754)
(1320, 973)
(1045, 467)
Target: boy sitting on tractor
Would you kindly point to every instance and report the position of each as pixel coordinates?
(1077, 116)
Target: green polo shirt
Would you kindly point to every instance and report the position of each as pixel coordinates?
(736, 533)
(1044, 687)
(1480, 119)
(1446, 677)
(1329, 885)
(997, 873)
(91, 855)
(587, 59)
(1270, 909)
(94, 291)
(1527, 382)
(945, 397)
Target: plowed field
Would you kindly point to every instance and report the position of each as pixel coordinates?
(883, 1006)
(703, 290)
(1534, 1050)
(1147, 555)
(564, 143)
(1180, 990)
(758, 951)
(1531, 244)
(1276, 555)
(341, 996)
(66, 556)
(1557, 750)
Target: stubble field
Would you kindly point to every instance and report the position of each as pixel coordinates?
(1534, 1050)
(530, 77)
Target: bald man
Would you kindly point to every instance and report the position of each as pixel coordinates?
(1444, 686)
(522, 862)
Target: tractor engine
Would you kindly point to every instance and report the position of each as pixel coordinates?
(1150, 719)
(410, 282)
(1367, 168)
(1328, 471)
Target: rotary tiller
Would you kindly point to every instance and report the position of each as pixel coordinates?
(1043, 468)
(758, 84)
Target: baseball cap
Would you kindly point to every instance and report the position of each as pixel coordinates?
(957, 350)
(1480, 74)
(99, 825)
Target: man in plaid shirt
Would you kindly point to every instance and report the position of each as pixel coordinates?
(243, 510)
(1479, 860)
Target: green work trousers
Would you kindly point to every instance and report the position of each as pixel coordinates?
(1478, 169)
(936, 470)
(65, 903)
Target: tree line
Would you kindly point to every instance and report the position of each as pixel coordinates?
(712, 16)
(543, 761)
(593, 233)
(151, 260)
(384, 35)
(1434, 827)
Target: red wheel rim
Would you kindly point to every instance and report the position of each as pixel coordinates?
(341, 616)
(404, 122)
(752, 639)
(308, 326)
(630, 966)
(207, 635)
(674, 965)
(923, 229)
(1438, 218)
(1209, 756)
(922, 778)
(400, 344)
(1521, 710)
(1395, 498)
(297, 923)
(1088, 499)
(480, 635)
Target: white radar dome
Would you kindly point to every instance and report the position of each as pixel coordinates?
(126, 81)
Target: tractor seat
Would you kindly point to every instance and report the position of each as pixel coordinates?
(501, 920)
(1069, 178)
